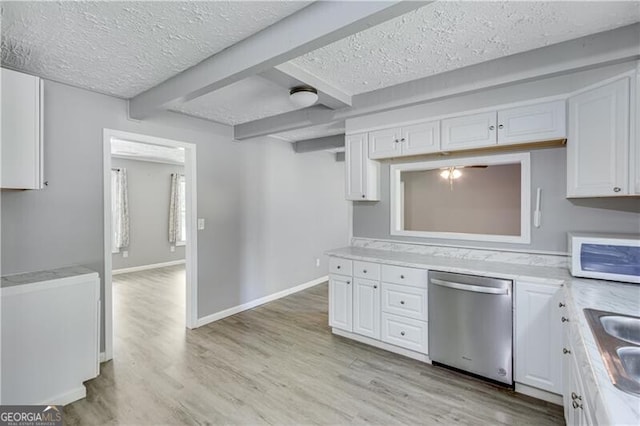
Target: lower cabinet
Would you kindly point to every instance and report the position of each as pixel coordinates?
(340, 302)
(576, 406)
(366, 308)
(405, 332)
(538, 336)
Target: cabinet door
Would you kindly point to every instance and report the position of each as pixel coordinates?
(598, 141)
(469, 131)
(340, 302)
(366, 308)
(355, 168)
(384, 143)
(21, 141)
(538, 345)
(362, 175)
(532, 123)
(421, 138)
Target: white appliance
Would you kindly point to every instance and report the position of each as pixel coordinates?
(613, 257)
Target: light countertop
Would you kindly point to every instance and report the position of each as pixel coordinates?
(620, 407)
(40, 276)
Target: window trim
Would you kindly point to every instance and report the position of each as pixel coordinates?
(396, 197)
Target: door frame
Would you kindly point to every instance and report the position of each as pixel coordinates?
(191, 246)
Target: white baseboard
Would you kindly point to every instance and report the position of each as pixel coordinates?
(539, 393)
(257, 302)
(146, 267)
(67, 397)
(382, 345)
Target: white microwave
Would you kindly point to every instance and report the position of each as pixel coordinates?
(613, 257)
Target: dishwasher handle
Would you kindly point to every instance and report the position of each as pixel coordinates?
(469, 287)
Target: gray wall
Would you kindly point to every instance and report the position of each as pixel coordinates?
(269, 212)
(149, 186)
(559, 215)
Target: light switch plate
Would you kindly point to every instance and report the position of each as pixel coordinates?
(200, 224)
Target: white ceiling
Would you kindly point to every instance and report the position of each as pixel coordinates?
(312, 132)
(443, 36)
(146, 152)
(249, 99)
(124, 48)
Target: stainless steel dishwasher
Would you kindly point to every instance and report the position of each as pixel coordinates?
(471, 324)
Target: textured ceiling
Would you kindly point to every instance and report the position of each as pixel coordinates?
(148, 152)
(124, 48)
(249, 99)
(443, 36)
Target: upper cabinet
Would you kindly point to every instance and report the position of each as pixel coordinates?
(598, 148)
(539, 122)
(422, 138)
(531, 123)
(362, 174)
(21, 143)
(469, 131)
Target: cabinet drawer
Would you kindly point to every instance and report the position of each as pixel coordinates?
(404, 332)
(340, 266)
(366, 270)
(405, 276)
(405, 301)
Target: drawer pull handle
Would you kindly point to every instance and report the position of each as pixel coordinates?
(348, 282)
(364, 271)
(500, 126)
(617, 189)
(402, 277)
(492, 127)
(561, 305)
(338, 266)
(564, 319)
(576, 396)
(576, 405)
(402, 333)
(566, 351)
(375, 286)
(402, 302)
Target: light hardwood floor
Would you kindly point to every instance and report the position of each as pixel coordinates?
(276, 364)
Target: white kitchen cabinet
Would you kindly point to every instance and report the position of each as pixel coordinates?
(634, 136)
(422, 138)
(21, 142)
(385, 143)
(469, 131)
(598, 141)
(538, 336)
(405, 332)
(532, 123)
(362, 174)
(340, 302)
(366, 308)
(577, 411)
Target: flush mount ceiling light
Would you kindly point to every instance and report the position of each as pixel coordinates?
(303, 96)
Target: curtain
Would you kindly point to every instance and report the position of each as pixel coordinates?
(119, 209)
(174, 210)
(177, 210)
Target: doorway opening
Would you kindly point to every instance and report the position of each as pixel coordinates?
(161, 241)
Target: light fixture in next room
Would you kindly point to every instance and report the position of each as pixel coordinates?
(303, 96)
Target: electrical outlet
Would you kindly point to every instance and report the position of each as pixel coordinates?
(172, 248)
(317, 262)
(200, 224)
(125, 253)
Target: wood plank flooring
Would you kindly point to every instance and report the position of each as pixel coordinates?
(276, 364)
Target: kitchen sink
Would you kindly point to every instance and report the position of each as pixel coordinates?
(622, 327)
(618, 339)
